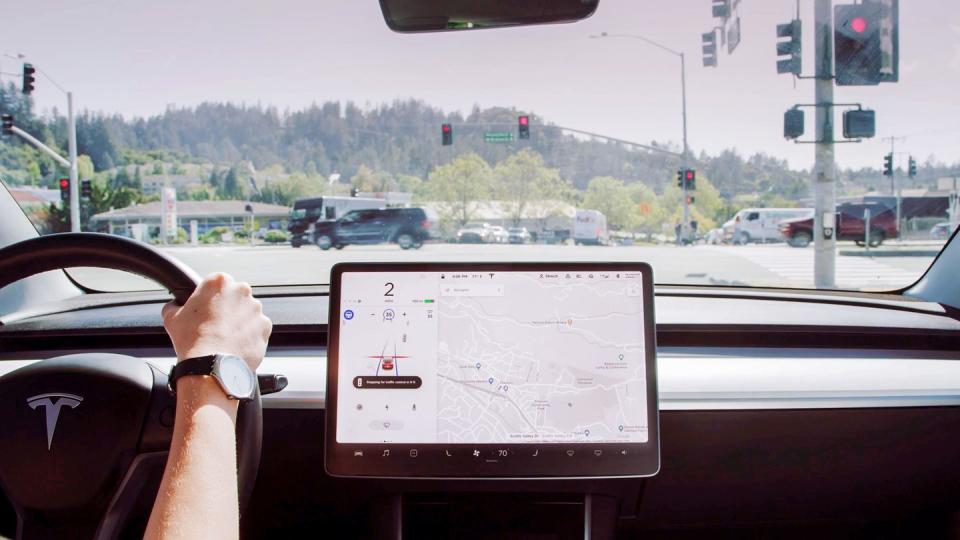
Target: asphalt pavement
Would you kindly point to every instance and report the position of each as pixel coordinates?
(752, 265)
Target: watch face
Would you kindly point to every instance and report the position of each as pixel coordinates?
(236, 376)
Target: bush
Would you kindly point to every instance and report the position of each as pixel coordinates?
(276, 237)
(214, 235)
(182, 236)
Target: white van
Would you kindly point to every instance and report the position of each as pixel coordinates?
(762, 224)
(590, 228)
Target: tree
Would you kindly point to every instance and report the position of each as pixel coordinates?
(85, 167)
(121, 179)
(460, 186)
(707, 207)
(103, 198)
(650, 213)
(412, 184)
(611, 197)
(523, 179)
(295, 186)
(215, 180)
(199, 193)
(231, 185)
(157, 168)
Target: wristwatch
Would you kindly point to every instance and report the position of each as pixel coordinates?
(231, 372)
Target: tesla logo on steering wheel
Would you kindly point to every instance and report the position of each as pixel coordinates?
(51, 404)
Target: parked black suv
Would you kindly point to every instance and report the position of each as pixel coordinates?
(407, 227)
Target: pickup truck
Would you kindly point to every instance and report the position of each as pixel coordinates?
(850, 225)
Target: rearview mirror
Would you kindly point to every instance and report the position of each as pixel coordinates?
(437, 15)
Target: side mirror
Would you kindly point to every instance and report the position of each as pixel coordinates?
(438, 15)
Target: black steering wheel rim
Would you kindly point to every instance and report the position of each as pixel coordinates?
(59, 251)
(66, 250)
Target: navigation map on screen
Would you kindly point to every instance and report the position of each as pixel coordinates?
(492, 357)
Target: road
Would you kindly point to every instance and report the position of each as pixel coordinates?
(755, 265)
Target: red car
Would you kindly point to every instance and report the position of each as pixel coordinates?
(850, 225)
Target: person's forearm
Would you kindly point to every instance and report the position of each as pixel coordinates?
(198, 494)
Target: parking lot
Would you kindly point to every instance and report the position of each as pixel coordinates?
(754, 265)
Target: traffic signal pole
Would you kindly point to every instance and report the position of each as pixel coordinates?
(46, 149)
(824, 168)
(74, 183)
(686, 157)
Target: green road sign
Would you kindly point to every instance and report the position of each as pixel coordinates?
(498, 136)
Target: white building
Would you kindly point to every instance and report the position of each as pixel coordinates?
(209, 214)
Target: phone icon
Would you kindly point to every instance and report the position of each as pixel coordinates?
(448, 454)
(536, 452)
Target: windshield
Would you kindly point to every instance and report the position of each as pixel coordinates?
(224, 133)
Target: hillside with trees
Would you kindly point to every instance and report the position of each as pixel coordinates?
(396, 147)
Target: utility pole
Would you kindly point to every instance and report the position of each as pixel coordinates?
(824, 168)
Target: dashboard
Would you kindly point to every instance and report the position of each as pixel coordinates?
(851, 401)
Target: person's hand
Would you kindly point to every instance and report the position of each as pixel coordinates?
(221, 316)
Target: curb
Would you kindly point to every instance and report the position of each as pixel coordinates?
(889, 253)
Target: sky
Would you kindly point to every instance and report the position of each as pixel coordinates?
(138, 57)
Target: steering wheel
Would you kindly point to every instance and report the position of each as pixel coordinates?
(83, 436)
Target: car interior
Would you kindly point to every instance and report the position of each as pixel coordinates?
(766, 412)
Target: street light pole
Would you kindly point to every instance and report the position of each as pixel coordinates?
(685, 158)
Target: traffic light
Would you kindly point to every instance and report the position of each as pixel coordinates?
(789, 59)
(856, 43)
(7, 124)
(446, 134)
(793, 124)
(28, 78)
(691, 199)
(680, 178)
(64, 189)
(523, 124)
(709, 49)
(354, 192)
(888, 164)
(690, 176)
(912, 167)
(721, 8)
(86, 190)
(859, 124)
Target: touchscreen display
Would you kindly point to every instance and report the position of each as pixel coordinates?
(492, 357)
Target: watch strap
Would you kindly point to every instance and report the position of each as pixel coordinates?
(200, 365)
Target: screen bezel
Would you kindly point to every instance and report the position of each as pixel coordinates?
(640, 459)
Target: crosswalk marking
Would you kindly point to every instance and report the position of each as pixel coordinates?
(796, 266)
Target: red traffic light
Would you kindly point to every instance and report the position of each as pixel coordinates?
(524, 120)
(446, 128)
(858, 25)
(689, 175)
(64, 183)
